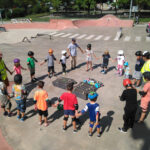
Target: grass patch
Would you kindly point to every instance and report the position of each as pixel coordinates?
(144, 20)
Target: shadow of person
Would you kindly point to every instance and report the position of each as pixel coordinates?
(110, 68)
(30, 114)
(106, 121)
(52, 101)
(141, 131)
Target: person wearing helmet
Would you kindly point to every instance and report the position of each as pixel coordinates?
(31, 65)
(17, 66)
(145, 100)
(50, 58)
(129, 95)
(3, 69)
(63, 60)
(126, 70)
(19, 93)
(89, 54)
(72, 51)
(146, 66)
(137, 75)
(120, 60)
(94, 113)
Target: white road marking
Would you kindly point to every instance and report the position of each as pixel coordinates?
(98, 37)
(53, 33)
(138, 39)
(82, 36)
(127, 38)
(147, 39)
(107, 38)
(59, 34)
(89, 37)
(73, 36)
(68, 34)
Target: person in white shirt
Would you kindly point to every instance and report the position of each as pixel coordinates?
(63, 60)
(72, 51)
(89, 55)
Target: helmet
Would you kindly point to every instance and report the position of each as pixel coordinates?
(146, 54)
(138, 53)
(18, 79)
(50, 50)
(30, 53)
(89, 46)
(120, 52)
(127, 82)
(126, 64)
(16, 60)
(92, 95)
(146, 75)
(63, 52)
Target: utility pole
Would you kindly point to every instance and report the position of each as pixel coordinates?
(131, 2)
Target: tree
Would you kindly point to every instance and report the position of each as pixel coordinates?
(56, 4)
(142, 3)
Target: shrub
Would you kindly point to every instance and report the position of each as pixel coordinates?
(18, 12)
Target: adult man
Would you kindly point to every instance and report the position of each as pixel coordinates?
(3, 69)
(72, 50)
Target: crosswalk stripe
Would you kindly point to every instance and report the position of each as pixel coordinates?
(89, 37)
(138, 38)
(68, 34)
(98, 38)
(82, 36)
(107, 38)
(59, 34)
(73, 36)
(148, 39)
(127, 38)
(53, 33)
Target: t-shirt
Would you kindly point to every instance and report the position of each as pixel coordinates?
(17, 69)
(50, 60)
(3, 70)
(130, 96)
(93, 110)
(73, 49)
(69, 100)
(106, 58)
(41, 96)
(31, 62)
(139, 64)
(120, 60)
(127, 71)
(63, 59)
(18, 91)
(89, 53)
(2, 87)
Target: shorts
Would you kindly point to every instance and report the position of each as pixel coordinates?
(51, 69)
(32, 71)
(137, 75)
(44, 113)
(21, 105)
(69, 112)
(104, 65)
(5, 102)
(88, 58)
(6, 82)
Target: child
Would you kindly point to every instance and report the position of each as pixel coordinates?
(17, 66)
(5, 99)
(19, 93)
(40, 99)
(120, 59)
(70, 106)
(50, 60)
(126, 70)
(137, 75)
(63, 61)
(130, 96)
(94, 113)
(89, 54)
(106, 58)
(145, 100)
(31, 65)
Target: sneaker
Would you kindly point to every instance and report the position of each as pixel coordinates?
(46, 124)
(35, 79)
(75, 131)
(105, 72)
(49, 76)
(9, 115)
(102, 71)
(5, 113)
(64, 129)
(90, 134)
(18, 117)
(22, 119)
(64, 73)
(98, 135)
(122, 130)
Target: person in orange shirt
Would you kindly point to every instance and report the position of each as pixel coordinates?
(40, 99)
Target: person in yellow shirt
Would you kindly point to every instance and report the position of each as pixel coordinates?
(40, 100)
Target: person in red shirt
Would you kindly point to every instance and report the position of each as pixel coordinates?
(70, 106)
(40, 99)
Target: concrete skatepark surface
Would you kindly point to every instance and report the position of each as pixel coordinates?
(60, 24)
(29, 135)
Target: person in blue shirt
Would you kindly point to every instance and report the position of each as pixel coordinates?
(94, 114)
